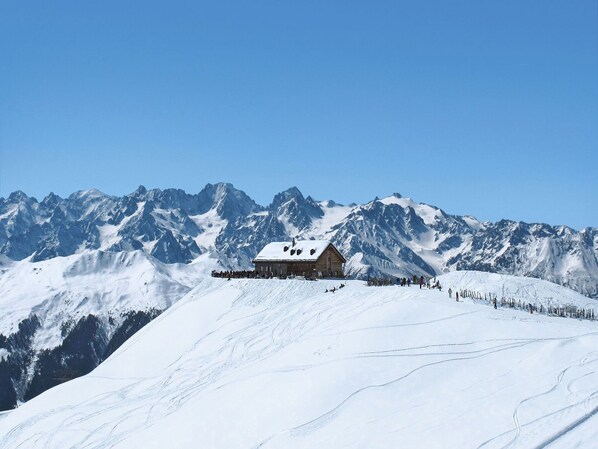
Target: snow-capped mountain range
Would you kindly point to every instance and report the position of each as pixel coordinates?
(390, 236)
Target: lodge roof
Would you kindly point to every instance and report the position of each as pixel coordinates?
(302, 251)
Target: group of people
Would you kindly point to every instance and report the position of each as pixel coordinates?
(405, 282)
(252, 274)
(421, 281)
(379, 282)
(334, 289)
(230, 274)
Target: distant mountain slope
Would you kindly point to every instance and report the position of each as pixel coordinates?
(283, 364)
(60, 317)
(391, 236)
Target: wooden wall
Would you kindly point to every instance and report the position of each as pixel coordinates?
(329, 264)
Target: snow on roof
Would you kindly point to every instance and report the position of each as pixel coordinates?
(304, 251)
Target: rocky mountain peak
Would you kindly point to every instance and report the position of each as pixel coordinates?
(227, 201)
(17, 197)
(285, 196)
(141, 190)
(51, 200)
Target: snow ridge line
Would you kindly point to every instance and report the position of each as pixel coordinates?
(568, 428)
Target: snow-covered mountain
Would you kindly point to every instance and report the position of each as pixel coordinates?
(59, 318)
(389, 236)
(284, 364)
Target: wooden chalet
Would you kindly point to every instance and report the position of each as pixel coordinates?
(309, 258)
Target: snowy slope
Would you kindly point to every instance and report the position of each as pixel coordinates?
(282, 364)
(528, 290)
(93, 282)
(60, 317)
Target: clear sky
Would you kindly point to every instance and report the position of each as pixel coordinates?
(480, 107)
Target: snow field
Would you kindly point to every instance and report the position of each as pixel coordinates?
(282, 364)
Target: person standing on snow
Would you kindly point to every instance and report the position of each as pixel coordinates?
(457, 296)
(450, 292)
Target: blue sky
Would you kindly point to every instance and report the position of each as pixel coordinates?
(479, 107)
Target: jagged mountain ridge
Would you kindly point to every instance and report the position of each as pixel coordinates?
(390, 236)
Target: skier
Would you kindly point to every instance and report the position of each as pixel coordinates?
(421, 281)
(494, 302)
(457, 296)
(531, 308)
(450, 292)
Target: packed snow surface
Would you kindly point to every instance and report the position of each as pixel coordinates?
(284, 364)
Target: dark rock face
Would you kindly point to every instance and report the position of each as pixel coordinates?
(171, 250)
(13, 369)
(228, 202)
(297, 210)
(8, 396)
(25, 373)
(79, 353)
(241, 240)
(133, 322)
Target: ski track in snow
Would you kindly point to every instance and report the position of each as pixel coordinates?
(281, 364)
